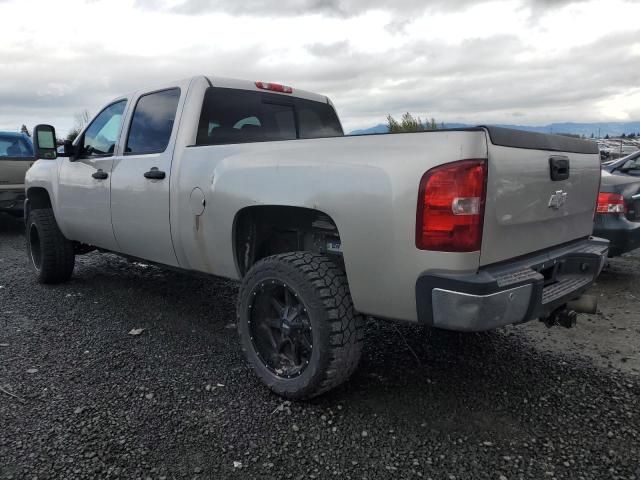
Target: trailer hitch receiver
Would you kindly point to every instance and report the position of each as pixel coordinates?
(562, 316)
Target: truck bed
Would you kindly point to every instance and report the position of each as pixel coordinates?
(368, 185)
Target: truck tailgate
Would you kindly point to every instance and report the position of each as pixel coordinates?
(532, 202)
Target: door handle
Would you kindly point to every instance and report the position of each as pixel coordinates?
(155, 174)
(100, 175)
(559, 167)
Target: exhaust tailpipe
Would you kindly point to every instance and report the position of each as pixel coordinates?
(584, 304)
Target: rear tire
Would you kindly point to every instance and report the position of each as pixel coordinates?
(332, 332)
(50, 253)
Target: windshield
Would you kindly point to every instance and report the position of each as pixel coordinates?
(15, 145)
(622, 162)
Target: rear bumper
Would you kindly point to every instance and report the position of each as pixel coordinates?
(12, 201)
(622, 234)
(512, 292)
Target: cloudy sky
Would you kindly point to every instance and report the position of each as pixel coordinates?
(517, 61)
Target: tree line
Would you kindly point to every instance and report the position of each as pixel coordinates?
(82, 119)
(408, 123)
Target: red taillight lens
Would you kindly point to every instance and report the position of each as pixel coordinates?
(451, 207)
(274, 87)
(610, 203)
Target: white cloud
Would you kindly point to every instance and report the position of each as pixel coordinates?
(468, 61)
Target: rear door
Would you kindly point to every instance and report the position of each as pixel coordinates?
(140, 178)
(541, 192)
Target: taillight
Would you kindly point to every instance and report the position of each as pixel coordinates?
(610, 203)
(274, 87)
(451, 207)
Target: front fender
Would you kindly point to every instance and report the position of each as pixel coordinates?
(43, 174)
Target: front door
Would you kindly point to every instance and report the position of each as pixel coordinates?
(84, 180)
(140, 179)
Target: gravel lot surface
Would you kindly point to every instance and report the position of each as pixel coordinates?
(178, 401)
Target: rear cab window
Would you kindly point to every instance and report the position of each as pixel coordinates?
(152, 122)
(241, 116)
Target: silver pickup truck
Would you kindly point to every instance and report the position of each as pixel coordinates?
(467, 229)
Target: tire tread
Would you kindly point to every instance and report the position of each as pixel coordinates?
(58, 257)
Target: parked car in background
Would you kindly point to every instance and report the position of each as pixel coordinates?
(629, 165)
(618, 213)
(16, 156)
(628, 149)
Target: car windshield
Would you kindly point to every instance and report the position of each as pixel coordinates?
(628, 161)
(15, 145)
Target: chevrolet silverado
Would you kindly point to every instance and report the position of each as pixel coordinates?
(464, 229)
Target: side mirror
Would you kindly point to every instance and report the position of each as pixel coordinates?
(44, 142)
(68, 150)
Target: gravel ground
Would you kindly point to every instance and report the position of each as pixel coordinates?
(178, 401)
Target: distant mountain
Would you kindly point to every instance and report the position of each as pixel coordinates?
(613, 129)
(381, 128)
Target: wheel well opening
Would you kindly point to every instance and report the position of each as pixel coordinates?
(263, 231)
(38, 198)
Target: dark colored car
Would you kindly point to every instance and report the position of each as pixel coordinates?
(618, 213)
(16, 156)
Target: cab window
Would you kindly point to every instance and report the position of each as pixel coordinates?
(102, 135)
(240, 116)
(152, 122)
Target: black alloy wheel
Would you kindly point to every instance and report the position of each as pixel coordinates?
(280, 329)
(297, 324)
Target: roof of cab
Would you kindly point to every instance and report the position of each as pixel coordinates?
(224, 82)
(13, 134)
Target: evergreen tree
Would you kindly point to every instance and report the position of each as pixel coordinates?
(408, 123)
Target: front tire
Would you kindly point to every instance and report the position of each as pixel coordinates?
(297, 324)
(50, 253)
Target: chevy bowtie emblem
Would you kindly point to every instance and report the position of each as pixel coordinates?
(558, 199)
